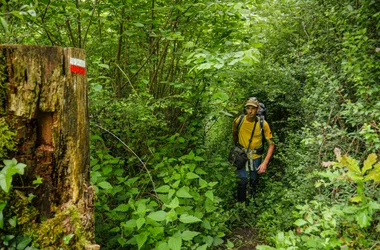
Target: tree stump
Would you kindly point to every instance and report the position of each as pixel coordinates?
(43, 97)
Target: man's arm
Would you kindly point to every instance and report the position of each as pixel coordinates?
(263, 166)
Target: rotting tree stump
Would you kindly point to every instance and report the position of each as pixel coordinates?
(44, 92)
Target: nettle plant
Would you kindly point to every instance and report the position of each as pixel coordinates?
(179, 210)
(348, 219)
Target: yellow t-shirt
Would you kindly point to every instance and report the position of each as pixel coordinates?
(246, 131)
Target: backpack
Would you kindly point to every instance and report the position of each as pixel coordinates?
(261, 114)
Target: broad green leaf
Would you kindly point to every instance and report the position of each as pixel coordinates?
(374, 174)
(175, 243)
(130, 224)
(202, 183)
(157, 216)
(356, 199)
(4, 23)
(217, 241)
(174, 203)
(300, 222)
(189, 235)
(140, 222)
(182, 193)
(171, 193)
(22, 243)
(185, 218)
(203, 247)
(351, 164)
(13, 221)
(105, 185)
(200, 171)
(122, 208)
(163, 189)
(171, 216)
(363, 219)
(141, 239)
(371, 159)
(206, 224)
(209, 194)
(162, 246)
(198, 158)
(191, 175)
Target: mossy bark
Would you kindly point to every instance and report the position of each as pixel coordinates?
(46, 104)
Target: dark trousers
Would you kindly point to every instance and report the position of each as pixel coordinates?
(243, 176)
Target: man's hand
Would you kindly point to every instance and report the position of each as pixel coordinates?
(262, 168)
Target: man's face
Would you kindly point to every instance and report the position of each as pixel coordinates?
(251, 111)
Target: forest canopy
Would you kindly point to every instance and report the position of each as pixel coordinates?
(166, 79)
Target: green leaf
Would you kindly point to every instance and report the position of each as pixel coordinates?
(351, 164)
(67, 238)
(174, 203)
(162, 245)
(122, 208)
(163, 189)
(182, 193)
(175, 243)
(371, 159)
(105, 185)
(198, 158)
(13, 221)
(356, 199)
(141, 239)
(5, 24)
(157, 216)
(202, 183)
(185, 218)
(189, 235)
(300, 222)
(374, 174)
(191, 175)
(209, 194)
(217, 241)
(200, 171)
(363, 219)
(140, 222)
(203, 247)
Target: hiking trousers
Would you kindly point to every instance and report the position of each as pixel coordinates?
(243, 174)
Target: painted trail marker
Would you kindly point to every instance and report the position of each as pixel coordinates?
(77, 66)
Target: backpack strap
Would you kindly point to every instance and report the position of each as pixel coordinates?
(240, 123)
(262, 129)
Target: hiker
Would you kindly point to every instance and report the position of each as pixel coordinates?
(242, 134)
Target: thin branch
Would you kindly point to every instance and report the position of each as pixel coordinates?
(130, 150)
(89, 23)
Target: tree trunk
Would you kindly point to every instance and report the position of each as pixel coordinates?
(46, 105)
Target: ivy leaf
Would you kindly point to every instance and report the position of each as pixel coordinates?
(157, 216)
(371, 159)
(185, 218)
(182, 193)
(189, 235)
(162, 246)
(175, 243)
(141, 239)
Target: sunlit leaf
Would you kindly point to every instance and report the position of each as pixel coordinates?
(368, 163)
(157, 216)
(185, 218)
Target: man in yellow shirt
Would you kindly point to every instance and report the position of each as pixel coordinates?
(255, 164)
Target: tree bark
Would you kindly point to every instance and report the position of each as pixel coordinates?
(46, 104)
